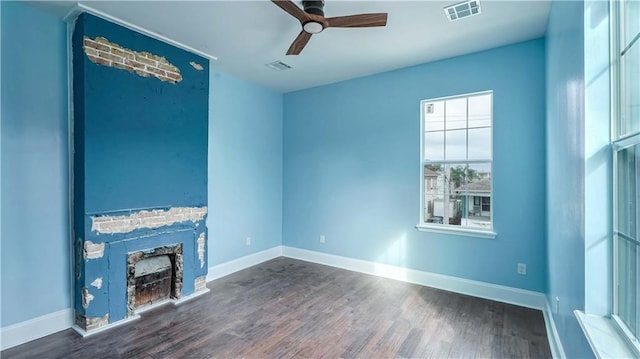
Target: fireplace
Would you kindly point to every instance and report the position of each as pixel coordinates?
(154, 276)
(140, 139)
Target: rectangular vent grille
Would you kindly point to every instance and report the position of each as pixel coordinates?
(278, 66)
(463, 9)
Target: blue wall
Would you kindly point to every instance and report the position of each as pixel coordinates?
(352, 173)
(351, 167)
(35, 232)
(565, 171)
(245, 168)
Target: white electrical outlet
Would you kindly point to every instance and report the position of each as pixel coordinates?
(248, 241)
(522, 269)
(322, 238)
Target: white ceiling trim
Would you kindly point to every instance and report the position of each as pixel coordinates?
(80, 8)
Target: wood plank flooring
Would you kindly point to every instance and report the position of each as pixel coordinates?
(285, 308)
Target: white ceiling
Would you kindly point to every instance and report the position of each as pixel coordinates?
(246, 35)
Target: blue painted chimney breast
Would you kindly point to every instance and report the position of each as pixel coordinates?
(140, 162)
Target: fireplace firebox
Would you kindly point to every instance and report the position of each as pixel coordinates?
(153, 276)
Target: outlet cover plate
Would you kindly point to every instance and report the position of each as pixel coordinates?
(522, 269)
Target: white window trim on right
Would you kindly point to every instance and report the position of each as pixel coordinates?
(609, 336)
(447, 228)
(624, 137)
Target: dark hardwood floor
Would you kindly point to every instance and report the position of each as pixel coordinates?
(288, 308)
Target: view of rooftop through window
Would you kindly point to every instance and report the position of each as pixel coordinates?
(457, 161)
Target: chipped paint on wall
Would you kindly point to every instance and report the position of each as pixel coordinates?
(103, 52)
(200, 243)
(106, 224)
(97, 283)
(86, 297)
(200, 283)
(91, 323)
(196, 66)
(93, 250)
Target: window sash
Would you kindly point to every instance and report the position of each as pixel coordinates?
(625, 134)
(624, 44)
(439, 123)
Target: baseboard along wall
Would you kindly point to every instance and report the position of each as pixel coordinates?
(32, 329)
(500, 293)
(238, 264)
(557, 351)
(48, 324)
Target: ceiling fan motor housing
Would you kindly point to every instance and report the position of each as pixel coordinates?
(314, 7)
(313, 21)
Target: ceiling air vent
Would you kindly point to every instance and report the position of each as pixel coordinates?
(278, 66)
(463, 9)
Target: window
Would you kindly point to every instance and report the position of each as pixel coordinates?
(486, 204)
(456, 160)
(626, 147)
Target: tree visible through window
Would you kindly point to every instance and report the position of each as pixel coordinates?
(457, 161)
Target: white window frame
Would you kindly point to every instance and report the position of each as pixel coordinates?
(608, 335)
(632, 340)
(618, 144)
(445, 228)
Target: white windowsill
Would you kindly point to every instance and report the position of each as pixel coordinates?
(603, 337)
(456, 231)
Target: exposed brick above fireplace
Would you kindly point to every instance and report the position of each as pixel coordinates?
(156, 218)
(102, 51)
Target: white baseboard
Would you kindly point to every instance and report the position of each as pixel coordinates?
(23, 332)
(190, 296)
(136, 314)
(85, 333)
(500, 293)
(241, 263)
(495, 292)
(557, 351)
(32, 329)
(48, 324)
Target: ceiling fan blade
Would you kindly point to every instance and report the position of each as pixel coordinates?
(362, 20)
(299, 43)
(293, 9)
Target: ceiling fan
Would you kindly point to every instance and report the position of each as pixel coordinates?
(313, 21)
